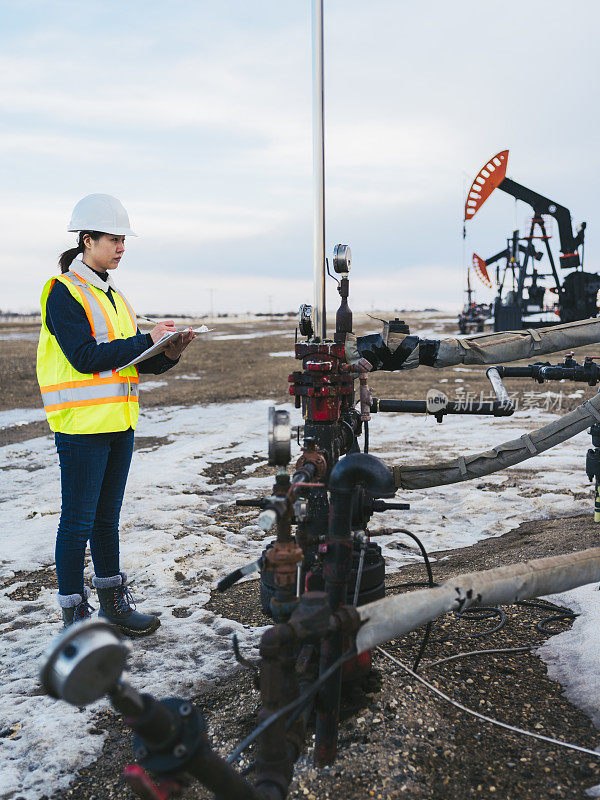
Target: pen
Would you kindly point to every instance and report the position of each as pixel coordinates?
(148, 319)
(153, 321)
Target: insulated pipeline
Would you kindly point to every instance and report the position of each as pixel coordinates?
(504, 455)
(509, 346)
(396, 615)
(399, 351)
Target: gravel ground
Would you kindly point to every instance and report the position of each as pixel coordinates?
(401, 741)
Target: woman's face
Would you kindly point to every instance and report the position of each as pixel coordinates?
(105, 253)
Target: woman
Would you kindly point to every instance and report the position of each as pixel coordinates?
(89, 330)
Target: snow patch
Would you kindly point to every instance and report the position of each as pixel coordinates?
(255, 335)
(146, 385)
(20, 416)
(573, 657)
(168, 527)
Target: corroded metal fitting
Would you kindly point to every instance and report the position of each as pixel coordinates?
(274, 639)
(283, 558)
(348, 620)
(313, 456)
(312, 617)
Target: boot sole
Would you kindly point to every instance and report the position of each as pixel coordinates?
(133, 632)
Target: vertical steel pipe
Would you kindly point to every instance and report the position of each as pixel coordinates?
(319, 312)
(356, 469)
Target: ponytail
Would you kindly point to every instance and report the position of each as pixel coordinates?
(66, 259)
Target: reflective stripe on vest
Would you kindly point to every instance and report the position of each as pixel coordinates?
(102, 327)
(85, 395)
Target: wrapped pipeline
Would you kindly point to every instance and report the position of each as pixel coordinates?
(500, 348)
(467, 467)
(400, 351)
(398, 614)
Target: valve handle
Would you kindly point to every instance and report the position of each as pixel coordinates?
(237, 574)
(380, 505)
(258, 502)
(142, 785)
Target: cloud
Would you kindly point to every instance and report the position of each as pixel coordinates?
(74, 149)
(198, 116)
(197, 223)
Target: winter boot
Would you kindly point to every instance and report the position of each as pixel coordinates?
(116, 606)
(75, 608)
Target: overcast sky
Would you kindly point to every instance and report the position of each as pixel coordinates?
(197, 115)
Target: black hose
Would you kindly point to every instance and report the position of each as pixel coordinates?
(483, 612)
(563, 615)
(299, 701)
(424, 643)
(430, 583)
(423, 553)
(366, 434)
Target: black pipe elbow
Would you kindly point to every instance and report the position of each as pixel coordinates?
(362, 469)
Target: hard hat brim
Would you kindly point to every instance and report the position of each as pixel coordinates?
(113, 231)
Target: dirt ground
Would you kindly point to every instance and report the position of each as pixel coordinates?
(398, 740)
(218, 369)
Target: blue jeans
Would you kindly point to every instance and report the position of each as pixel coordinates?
(93, 474)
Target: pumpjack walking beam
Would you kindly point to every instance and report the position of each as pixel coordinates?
(493, 176)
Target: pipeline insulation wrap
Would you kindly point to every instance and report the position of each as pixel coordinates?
(467, 467)
(500, 348)
(406, 351)
(396, 615)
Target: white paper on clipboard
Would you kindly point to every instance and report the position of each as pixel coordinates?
(161, 345)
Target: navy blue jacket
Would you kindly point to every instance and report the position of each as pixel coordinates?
(67, 321)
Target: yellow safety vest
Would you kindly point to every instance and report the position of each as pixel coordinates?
(76, 402)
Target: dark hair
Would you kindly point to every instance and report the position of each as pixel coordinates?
(66, 259)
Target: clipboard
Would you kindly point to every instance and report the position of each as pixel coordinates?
(161, 345)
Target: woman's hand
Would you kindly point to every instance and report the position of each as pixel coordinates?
(168, 326)
(177, 346)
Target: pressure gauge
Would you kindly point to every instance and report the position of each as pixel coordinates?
(305, 325)
(280, 436)
(341, 258)
(85, 662)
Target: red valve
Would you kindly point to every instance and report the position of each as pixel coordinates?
(319, 366)
(141, 783)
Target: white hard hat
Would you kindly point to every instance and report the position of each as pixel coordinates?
(101, 212)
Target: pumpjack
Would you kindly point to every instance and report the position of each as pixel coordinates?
(526, 296)
(473, 316)
(575, 294)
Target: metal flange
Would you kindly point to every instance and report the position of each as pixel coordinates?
(280, 436)
(85, 662)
